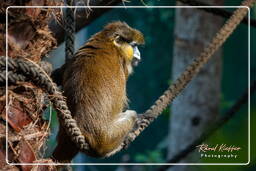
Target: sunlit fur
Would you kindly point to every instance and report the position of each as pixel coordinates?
(94, 83)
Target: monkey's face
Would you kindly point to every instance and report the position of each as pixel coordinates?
(126, 39)
(129, 50)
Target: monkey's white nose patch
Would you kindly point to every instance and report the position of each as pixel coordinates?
(136, 52)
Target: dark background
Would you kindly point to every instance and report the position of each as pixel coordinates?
(152, 77)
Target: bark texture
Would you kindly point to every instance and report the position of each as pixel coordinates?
(198, 104)
(31, 37)
(28, 37)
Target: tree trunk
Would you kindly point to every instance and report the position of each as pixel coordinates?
(198, 104)
(28, 37)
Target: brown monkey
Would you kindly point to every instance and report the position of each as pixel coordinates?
(94, 82)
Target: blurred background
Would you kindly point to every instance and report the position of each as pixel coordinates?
(174, 37)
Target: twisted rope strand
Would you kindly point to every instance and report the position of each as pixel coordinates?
(70, 32)
(31, 71)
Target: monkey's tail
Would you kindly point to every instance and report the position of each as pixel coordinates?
(65, 150)
(57, 75)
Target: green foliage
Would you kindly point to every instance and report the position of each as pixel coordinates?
(154, 156)
(238, 137)
(51, 115)
(254, 11)
(225, 103)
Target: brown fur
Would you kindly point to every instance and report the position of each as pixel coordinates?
(94, 83)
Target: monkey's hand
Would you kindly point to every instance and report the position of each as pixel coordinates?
(141, 122)
(130, 115)
(123, 124)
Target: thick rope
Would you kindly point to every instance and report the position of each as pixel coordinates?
(163, 101)
(21, 69)
(31, 71)
(70, 32)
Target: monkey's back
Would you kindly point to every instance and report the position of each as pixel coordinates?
(94, 83)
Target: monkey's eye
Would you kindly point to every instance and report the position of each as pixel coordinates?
(121, 39)
(133, 44)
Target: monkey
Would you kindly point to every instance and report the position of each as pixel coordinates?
(94, 82)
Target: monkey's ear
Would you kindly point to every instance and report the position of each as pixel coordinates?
(117, 41)
(120, 40)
